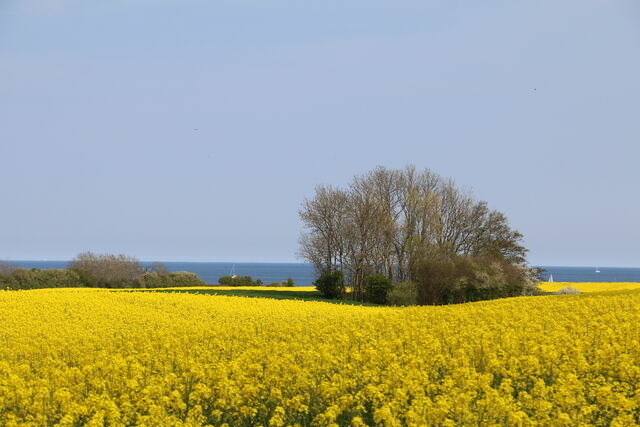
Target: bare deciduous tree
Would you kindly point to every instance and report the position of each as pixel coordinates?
(6, 267)
(325, 217)
(158, 267)
(388, 220)
(106, 269)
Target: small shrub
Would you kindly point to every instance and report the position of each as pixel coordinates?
(377, 286)
(403, 293)
(148, 280)
(185, 278)
(331, 285)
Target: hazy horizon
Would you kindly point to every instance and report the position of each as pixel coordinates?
(193, 130)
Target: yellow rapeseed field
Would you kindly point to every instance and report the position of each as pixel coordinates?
(81, 356)
(590, 286)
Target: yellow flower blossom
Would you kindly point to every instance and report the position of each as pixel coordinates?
(590, 286)
(96, 357)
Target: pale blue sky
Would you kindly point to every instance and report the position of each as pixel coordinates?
(534, 105)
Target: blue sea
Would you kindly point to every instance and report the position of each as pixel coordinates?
(304, 274)
(591, 274)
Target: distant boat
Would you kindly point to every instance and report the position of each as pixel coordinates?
(550, 278)
(597, 270)
(232, 273)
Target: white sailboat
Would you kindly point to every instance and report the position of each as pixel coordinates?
(550, 278)
(232, 273)
(597, 270)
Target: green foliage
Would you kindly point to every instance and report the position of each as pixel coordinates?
(21, 278)
(150, 280)
(168, 280)
(285, 283)
(239, 281)
(331, 284)
(403, 293)
(456, 279)
(377, 286)
(87, 269)
(185, 278)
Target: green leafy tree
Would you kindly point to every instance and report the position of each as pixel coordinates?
(331, 284)
(377, 286)
(403, 294)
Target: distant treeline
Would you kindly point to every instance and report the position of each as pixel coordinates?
(97, 271)
(248, 281)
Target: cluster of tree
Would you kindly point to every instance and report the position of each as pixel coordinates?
(122, 271)
(98, 270)
(106, 270)
(412, 226)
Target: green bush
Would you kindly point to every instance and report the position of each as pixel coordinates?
(59, 278)
(22, 278)
(457, 279)
(149, 280)
(185, 278)
(331, 284)
(168, 280)
(239, 281)
(377, 286)
(285, 283)
(403, 293)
